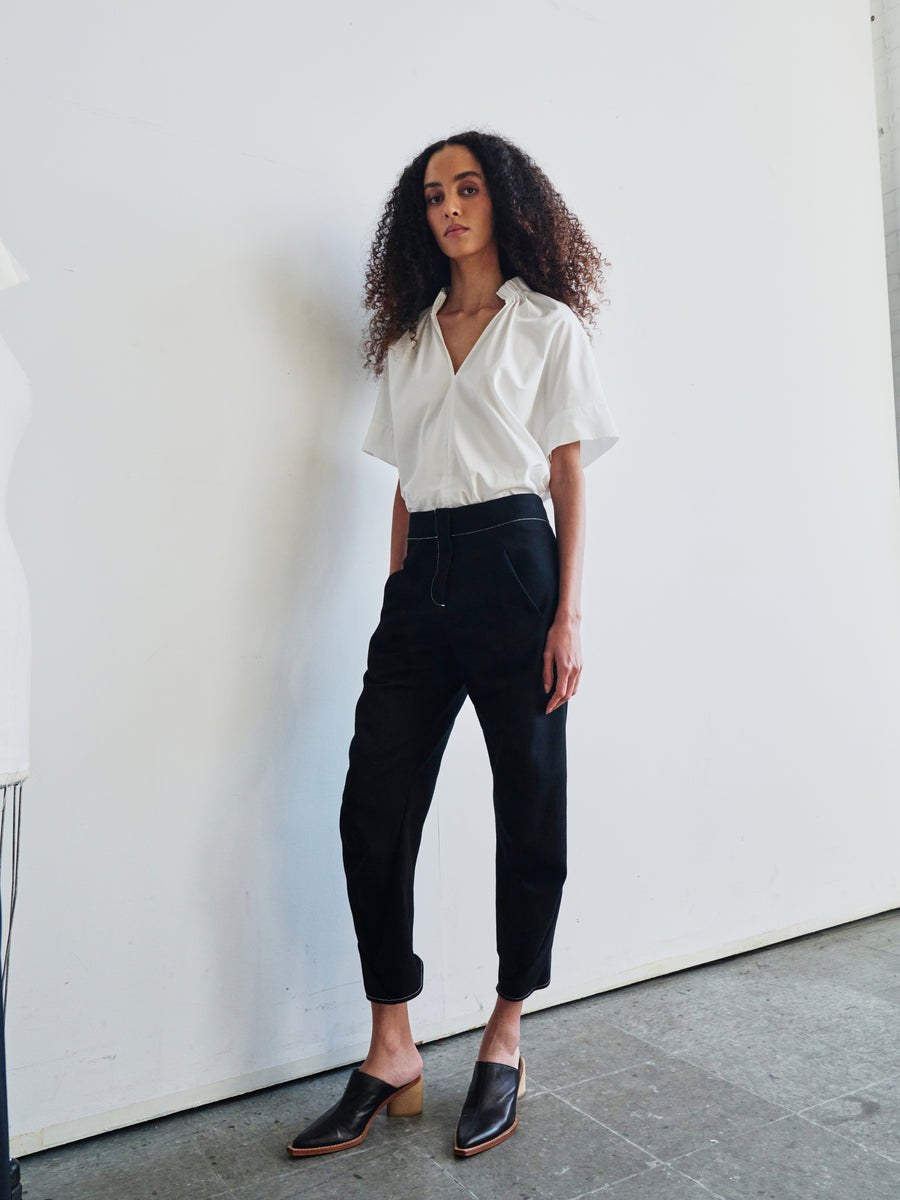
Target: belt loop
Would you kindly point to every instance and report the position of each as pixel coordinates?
(444, 549)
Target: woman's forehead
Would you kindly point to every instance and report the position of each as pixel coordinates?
(448, 162)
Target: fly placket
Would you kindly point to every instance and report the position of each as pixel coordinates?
(444, 554)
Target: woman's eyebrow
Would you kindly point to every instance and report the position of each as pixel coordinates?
(461, 175)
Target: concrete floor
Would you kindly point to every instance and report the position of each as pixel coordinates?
(773, 1075)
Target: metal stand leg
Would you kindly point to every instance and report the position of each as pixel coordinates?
(5, 1177)
(10, 1182)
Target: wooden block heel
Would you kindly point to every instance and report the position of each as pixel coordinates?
(407, 1103)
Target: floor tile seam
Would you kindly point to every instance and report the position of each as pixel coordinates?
(787, 1110)
(609, 1129)
(697, 1066)
(798, 1039)
(698, 1182)
(590, 1078)
(724, 1139)
(615, 1183)
(657, 1046)
(852, 1141)
(606, 1187)
(894, 1075)
(751, 1129)
(803, 1037)
(837, 1019)
(737, 1016)
(443, 1170)
(613, 1024)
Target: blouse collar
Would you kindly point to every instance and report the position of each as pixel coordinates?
(508, 290)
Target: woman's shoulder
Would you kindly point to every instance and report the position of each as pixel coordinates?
(546, 312)
(554, 311)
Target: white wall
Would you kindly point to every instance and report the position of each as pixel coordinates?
(886, 57)
(195, 186)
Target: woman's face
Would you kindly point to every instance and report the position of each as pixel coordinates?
(457, 203)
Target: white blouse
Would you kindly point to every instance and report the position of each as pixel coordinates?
(529, 384)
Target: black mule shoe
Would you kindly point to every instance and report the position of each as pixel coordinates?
(348, 1121)
(489, 1113)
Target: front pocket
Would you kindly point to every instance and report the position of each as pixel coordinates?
(522, 588)
(531, 560)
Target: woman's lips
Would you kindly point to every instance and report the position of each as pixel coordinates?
(455, 231)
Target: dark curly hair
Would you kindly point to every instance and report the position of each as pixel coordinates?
(537, 238)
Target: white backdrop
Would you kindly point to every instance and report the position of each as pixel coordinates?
(192, 188)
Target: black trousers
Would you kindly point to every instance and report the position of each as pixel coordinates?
(467, 614)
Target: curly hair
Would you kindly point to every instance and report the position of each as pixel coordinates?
(537, 238)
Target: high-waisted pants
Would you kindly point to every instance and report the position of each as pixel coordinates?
(467, 614)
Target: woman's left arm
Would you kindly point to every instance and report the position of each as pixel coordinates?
(563, 646)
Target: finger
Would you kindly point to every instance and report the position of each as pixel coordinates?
(554, 699)
(566, 682)
(568, 686)
(548, 670)
(559, 695)
(574, 681)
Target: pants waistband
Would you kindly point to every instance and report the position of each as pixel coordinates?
(470, 518)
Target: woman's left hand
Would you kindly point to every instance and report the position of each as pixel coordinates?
(563, 650)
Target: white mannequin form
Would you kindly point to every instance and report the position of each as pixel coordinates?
(15, 620)
(15, 675)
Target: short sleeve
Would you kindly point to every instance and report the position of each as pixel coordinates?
(570, 404)
(379, 441)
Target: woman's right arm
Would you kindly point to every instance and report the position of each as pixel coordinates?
(399, 531)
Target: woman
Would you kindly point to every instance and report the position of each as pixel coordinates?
(489, 400)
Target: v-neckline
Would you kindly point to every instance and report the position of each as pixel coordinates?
(505, 291)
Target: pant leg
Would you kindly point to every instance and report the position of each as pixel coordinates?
(412, 692)
(516, 567)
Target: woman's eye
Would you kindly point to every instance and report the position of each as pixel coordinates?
(436, 197)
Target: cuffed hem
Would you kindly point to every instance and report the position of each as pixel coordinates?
(516, 999)
(401, 999)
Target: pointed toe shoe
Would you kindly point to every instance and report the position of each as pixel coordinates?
(489, 1115)
(347, 1122)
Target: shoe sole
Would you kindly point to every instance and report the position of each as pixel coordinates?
(308, 1152)
(501, 1137)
